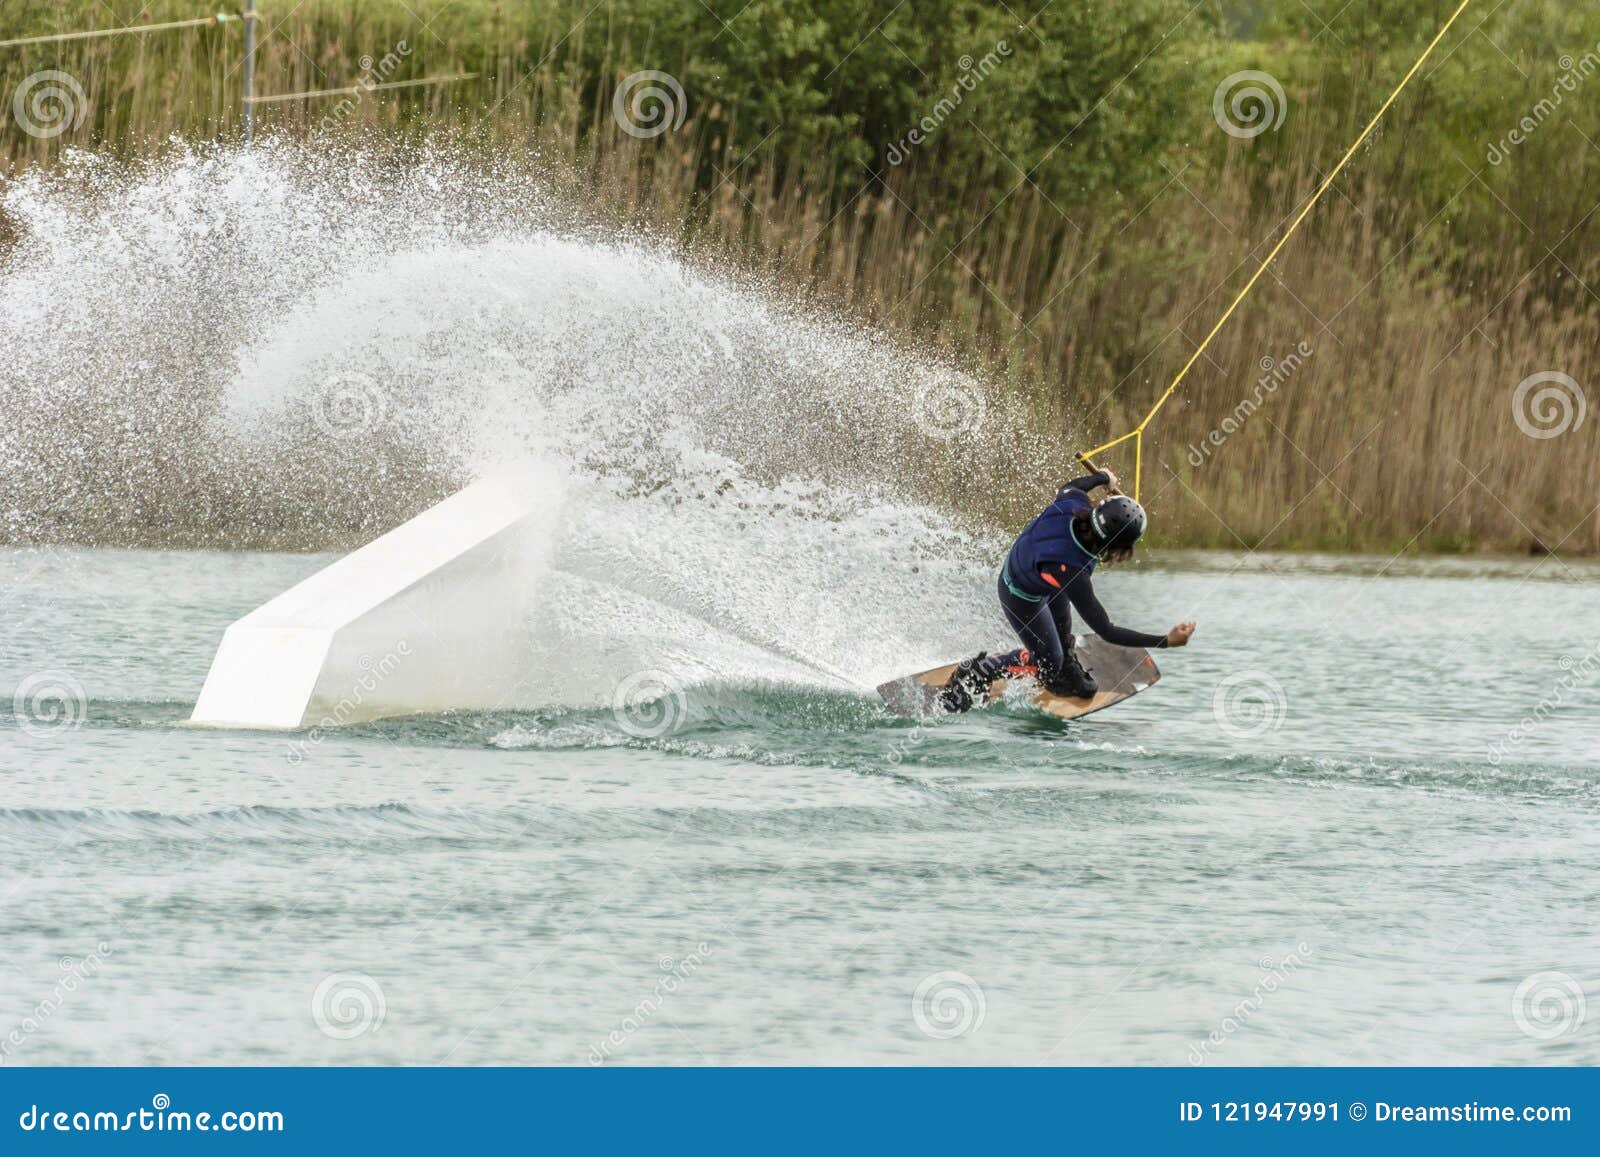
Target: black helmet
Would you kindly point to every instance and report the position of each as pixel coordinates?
(1119, 522)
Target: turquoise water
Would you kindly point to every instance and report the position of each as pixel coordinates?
(1324, 837)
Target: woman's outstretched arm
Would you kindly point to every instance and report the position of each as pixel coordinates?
(1081, 591)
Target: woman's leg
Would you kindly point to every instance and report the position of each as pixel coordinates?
(1061, 612)
(1045, 628)
(1035, 625)
(1073, 680)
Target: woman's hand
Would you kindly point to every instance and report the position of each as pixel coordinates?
(1111, 482)
(1179, 635)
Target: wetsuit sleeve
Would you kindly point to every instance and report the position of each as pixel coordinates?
(1087, 483)
(1081, 591)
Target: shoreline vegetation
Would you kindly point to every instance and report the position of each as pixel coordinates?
(1066, 205)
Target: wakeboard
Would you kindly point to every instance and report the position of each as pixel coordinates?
(1121, 672)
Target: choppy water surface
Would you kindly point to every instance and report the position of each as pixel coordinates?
(1325, 837)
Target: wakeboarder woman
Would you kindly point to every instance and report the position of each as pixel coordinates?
(1047, 573)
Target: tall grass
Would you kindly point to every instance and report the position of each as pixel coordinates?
(1427, 286)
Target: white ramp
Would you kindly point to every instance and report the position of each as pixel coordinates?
(428, 617)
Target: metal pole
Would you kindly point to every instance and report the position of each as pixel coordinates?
(249, 70)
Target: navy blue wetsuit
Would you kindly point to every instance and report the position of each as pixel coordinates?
(1046, 574)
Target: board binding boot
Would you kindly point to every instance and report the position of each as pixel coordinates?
(1119, 672)
(1019, 664)
(1071, 680)
(969, 682)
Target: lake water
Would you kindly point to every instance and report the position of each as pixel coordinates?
(1325, 837)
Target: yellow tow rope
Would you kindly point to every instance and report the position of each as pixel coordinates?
(1137, 433)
